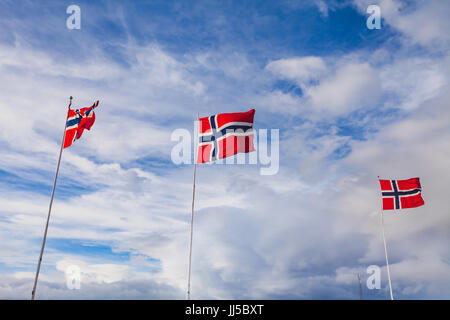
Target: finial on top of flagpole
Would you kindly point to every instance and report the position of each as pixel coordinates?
(70, 101)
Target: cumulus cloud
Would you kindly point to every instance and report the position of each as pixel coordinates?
(349, 87)
(413, 81)
(300, 69)
(352, 87)
(302, 233)
(14, 288)
(423, 23)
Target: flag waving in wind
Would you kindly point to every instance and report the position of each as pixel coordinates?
(224, 135)
(401, 194)
(220, 136)
(77, 121)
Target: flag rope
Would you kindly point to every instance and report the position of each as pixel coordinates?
(33, 292)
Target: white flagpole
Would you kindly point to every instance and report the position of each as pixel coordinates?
(188, 296)
(190, 242)
(386, 254)
(385, 248)
(33, 293)
(360, 286)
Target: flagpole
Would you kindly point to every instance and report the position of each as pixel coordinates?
(33, 293)
(385, 250)
(360, 287)
(386, 254)
(190, 242)
(188, 296)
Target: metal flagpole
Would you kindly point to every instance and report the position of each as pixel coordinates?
(360, 287)
(190, 242)
(386, 254)
(188, 296)
(33, 293)
(385, 250)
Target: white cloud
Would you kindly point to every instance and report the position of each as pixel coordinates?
(422, 22)
(354, 86)
(22, 57)
(414, 80)
(300, 69)
(97, 273)
(348, 86)
(279, 102)
(13, 288)
(299, 234)
(322, 6)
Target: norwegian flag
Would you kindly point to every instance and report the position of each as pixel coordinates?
(77, 121)
(224, 135)
(401, 194)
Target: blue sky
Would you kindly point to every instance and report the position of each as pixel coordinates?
(350, 103)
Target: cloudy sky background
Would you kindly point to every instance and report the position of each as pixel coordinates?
(351, 104)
